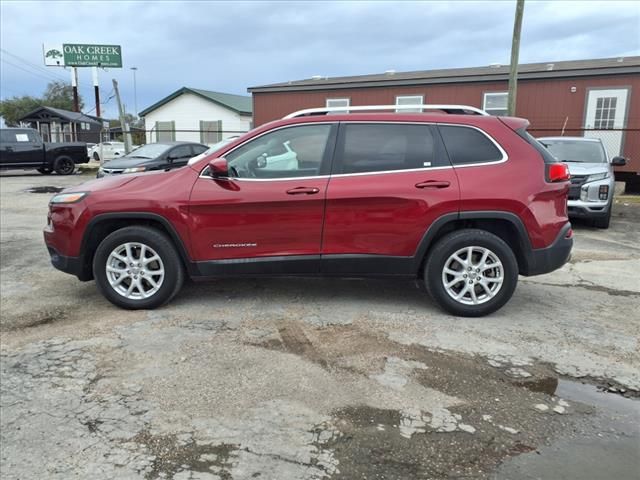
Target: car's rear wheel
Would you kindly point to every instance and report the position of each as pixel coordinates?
(471, 273)
(64, 166)
(45, 170)
(138, 268)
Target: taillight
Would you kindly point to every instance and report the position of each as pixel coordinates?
(557, 172)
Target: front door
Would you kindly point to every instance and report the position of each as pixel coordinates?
(21, 148)
(605, 116)
(390, 182)
(267, 217)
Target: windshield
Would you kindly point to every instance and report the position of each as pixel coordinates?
(152, 150)
(575, 150)
(211, 149)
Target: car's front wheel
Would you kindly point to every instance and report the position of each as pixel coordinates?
(138, 268)
(471, 272)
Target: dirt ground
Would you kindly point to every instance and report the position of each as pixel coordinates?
(313, 378)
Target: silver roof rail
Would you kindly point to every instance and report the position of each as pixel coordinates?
(452, 109)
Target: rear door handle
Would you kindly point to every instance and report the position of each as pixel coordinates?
(433, 184)
(303, 190)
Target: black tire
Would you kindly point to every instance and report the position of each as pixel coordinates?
(45, 170)
(64, 166)
(96, 157)
(452, 243)
(163, 246)
(603, 222)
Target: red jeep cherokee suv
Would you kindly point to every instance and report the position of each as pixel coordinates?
(460, 199)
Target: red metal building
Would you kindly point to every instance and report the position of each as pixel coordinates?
(598, 98)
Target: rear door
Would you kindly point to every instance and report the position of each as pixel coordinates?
(267, 217)
(390, 182)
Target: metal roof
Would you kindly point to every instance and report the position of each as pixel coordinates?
(572, 68)
(241, 104)
(65, 114)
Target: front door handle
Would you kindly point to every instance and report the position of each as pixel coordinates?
(9, 149)
(433, 184)
(303, 190)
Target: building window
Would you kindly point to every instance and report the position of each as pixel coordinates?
(409, 100)
(338, 102)
(495, 103)
(67, 133)
(165, 131)
(605, 112)
(210, 131)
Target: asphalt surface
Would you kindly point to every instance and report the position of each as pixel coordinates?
(312, 378)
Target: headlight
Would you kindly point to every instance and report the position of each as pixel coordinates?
(134, 170)
(597, 176)
(69, 197)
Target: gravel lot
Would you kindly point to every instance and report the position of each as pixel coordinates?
(312, 378)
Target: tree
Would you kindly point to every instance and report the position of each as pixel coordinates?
(57, 95)
(17, 107)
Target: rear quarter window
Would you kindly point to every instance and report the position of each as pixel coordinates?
(466, 145)
(542, 150)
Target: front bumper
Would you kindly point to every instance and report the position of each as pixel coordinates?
(579, 209)
(545, 260)
(71, 265)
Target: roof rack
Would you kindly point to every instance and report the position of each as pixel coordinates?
(451, 109)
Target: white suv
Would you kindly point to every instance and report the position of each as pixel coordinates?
(592, 179)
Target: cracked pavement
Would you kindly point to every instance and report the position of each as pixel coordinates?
(316, 379)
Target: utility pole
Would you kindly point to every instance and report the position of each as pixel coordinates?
(515, 51)
(123, 123)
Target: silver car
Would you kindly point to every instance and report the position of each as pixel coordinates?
(592, 180)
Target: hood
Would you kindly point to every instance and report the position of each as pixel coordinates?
(102, 184)
(125, 162)
(576, 168)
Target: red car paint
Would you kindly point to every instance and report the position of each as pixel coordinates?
(373, 214)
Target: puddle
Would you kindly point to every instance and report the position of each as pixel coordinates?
(608, 449)
(45, 189)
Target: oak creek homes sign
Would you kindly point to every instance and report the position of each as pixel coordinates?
(81, 55)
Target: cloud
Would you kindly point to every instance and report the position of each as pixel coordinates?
(229, 46)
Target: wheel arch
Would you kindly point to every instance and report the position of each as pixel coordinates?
(104, 224)
(505, 225)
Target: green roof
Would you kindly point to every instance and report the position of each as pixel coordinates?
(238, 103)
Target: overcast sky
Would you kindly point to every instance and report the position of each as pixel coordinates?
(228, 46)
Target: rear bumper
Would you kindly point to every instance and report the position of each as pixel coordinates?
(545, 260)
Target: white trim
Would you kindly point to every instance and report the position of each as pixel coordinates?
(419, 101)
(504, 158)
(338, 108)
(365, 108)
(493, 94)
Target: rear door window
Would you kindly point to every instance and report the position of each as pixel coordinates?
(372, 147)
(467, 145)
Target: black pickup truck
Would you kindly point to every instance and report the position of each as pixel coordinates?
(24, 148)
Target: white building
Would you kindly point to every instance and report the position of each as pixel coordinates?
(194, 115)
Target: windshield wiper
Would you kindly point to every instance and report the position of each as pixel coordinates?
(137, 156)
(573, 161)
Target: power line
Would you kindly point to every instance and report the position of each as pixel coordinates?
(37, 67)
(4, 60)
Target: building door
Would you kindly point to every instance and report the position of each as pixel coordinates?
(606, 114)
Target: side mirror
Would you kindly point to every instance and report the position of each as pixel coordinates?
(618, 161)
(219, 168)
